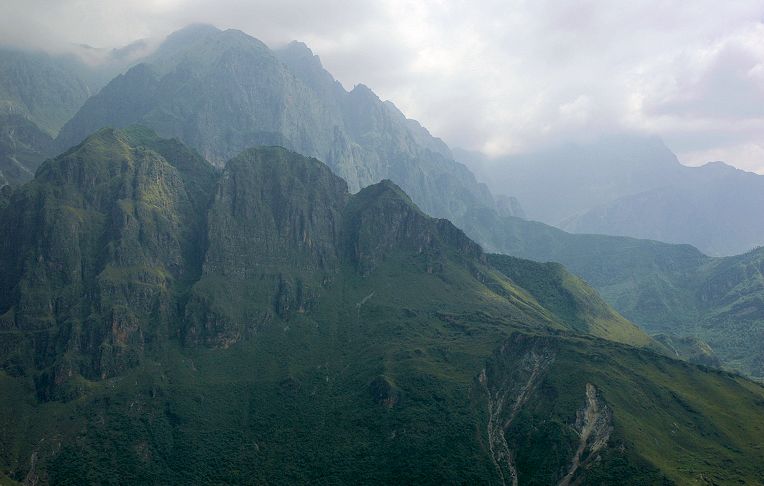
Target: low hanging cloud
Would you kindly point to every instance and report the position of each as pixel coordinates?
(494, 75)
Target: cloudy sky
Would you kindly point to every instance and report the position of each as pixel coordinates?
(500, 76)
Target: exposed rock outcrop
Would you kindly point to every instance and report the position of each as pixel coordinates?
(593, 425)
(509, 382)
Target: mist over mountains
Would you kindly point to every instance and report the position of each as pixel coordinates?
(40, 92)
(223, 91)
(631, 185)
(218, 265)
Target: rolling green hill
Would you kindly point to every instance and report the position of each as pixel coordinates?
(167, 322)
(569, 298)
(666, 289)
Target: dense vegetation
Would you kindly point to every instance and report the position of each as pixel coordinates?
(666, 289)
(167, 322)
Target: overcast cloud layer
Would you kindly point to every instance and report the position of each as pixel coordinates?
(493, 75)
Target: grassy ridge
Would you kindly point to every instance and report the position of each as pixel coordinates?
(664, 288)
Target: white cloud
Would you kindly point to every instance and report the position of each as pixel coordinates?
(496, 75)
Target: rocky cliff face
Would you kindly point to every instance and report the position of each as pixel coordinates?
(128, 240)
(222, 92)
(102, 238)
(280, 230)
(274, 239)
(382, 219)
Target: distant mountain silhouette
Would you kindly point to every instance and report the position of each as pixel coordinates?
(632, 186)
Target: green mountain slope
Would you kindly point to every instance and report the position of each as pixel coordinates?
(666, 289)
(654, 413)
(690, 348)
(166, 322)
(569, 298)
(127, 229)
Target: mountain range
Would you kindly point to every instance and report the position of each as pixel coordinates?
(40, 92)
(221, 92)
(630, 185)
(241, 281)
(665, 288)
(166, 321)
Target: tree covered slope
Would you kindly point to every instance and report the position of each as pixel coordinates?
(164, 321)
(666, 289)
